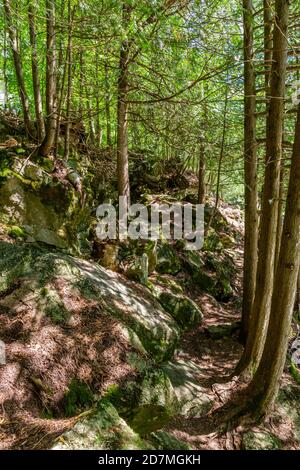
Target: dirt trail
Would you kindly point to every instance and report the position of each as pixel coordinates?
(215, 361)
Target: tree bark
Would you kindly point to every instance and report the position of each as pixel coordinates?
(18, 67)
(71, 13)
(51, 96)
(92, 131)
(60, 76)
(297, 296)
(98, 112)
(5, 78)
(38, 104)
(222, 152)
(265, 384)
(250, 172)
(202, 166)
(107, 106)
(122, 112)
(268, 228)
(280, 213)
(268, 43)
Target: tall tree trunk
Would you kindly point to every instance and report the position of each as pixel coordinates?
(268, 43)
(5, 78)
(297, 296)
(81, 84)
(92, 131)
(98, 112)
(122, 112)
(268, 228)
(202, 166)
(18, 67)
(250, 170)
(265, 384)
(60, 76)
(222, 152)
(51, 97)
(280, 212)
(107, 105)
(71, 13)
(38, 104)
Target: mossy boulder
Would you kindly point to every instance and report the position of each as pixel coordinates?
(222, 330)
(50, 209)
(103, 429)
(288, 402)
(149, 402)
(184, 310)
(260, 440)
(227, 240)
(212, 241)
(167, 260)
(216, 277)
(160, 283)
(17, 232)
(205, 282)
(193, 261)
(33, 268)
(192, 398)
(162, 440)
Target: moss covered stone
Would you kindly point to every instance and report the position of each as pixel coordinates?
(16, 232)
(192, 398)
(149, 402)
(182, 308)
(153, 328)
(260, 440)
(288, 403)
(223, 330)
(50, 209)
(103, 429)
(167, 260)
(164, 441)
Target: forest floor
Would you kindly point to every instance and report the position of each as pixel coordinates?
(208, 354)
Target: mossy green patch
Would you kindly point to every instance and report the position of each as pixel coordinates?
(78, 398)
(164, 441)
(167, 260)
(260, 440)
(183, 309)
(149, 402)
(295, 373)
(17, 232)
(104, 429)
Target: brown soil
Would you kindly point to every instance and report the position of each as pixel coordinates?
(42, 360)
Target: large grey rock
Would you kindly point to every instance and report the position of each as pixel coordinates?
(50, 238)
(222, 330)
(288, 403)
(104, 429)
(30, 197)
(192, 398)
(149, 402)
(133, 305)
(260, 440)
(182, 308)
